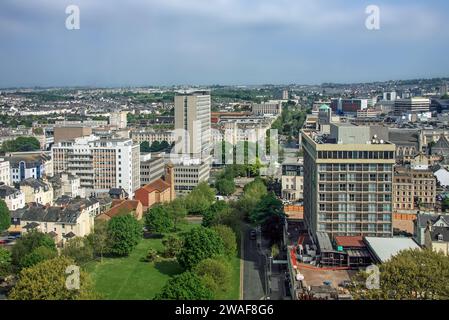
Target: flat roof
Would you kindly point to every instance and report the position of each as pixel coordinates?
(385, 248)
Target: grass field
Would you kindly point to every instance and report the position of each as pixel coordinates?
(129, 278)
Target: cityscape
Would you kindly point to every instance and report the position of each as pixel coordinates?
(287, 189)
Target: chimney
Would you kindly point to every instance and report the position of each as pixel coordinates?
(170, 179)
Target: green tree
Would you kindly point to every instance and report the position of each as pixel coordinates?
(211, 214)
(5, 218)
(172, 246)
(145, 146)
(186, 286)
(5, 262)
(200, 199)
(157, 220)
(176, 211)
(229, 239)
(225, 186)
(124, 233)
(47, 281)
(21, 144)
(199, 243)
(409, 275)
(27, 243)
(79, 249)
(268, 206)
(99, 240)
(38, 254)
(216, 274)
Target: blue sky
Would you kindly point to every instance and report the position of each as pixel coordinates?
(164, 42)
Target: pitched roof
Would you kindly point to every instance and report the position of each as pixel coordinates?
(157, 185)
(441, 146)
(7, 191)
(50, 214)
(422, 219)
(122, 206)
(350, 242)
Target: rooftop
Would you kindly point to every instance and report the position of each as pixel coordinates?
(385, 248)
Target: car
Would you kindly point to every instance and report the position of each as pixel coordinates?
(253, 235)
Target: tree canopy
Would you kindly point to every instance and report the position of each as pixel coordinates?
(26, 245)
(21, 144)
(409, 275)
(199, 243)
(200, 199)
(157, 220)
(124, 233)
(186, 286)
(47, 280)
(5, 218)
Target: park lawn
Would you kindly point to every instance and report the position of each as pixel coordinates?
(129, 278)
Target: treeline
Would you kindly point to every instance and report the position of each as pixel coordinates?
(21, 144)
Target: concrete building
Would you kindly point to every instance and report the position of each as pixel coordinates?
(189, 173)
(5, 172)
(66, 184)
(348, 179)
(70, 132)
(293, 179)
(411, 105)
(37, 191)
(14, 199)
(151, 168)
(413, 190)
(152, 136)
(118, 119)
(101, 164)
(193, 115)
(260, 109)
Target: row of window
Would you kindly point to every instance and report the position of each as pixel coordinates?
(356, 155)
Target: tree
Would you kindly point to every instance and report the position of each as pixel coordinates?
(186, 286)
(21, 144)
(157, 219)
(5, 262)
(200, 199)
(199, 243)
(172, 245)
(145, 146)
(216, 274)
(268, 206)
(252, 193)
(5, 218)
(79, 249)
(99, 240)
(124, 233)
(27, 243)
(38, 254)
(225, 186)
(229, 239)
(409, 275)
(48, 280)
(176, 211)
(211, 214)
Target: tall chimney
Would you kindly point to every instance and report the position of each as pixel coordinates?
(170, 179)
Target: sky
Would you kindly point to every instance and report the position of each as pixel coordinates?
(229, 42)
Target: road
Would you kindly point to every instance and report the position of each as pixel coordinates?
(253, 275)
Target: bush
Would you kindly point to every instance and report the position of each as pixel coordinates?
(151, 255)
(79, 249)
(28, 243)
(216, 274)
(38, 255)
(229, 239)
(186, 286)
(173, 246)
